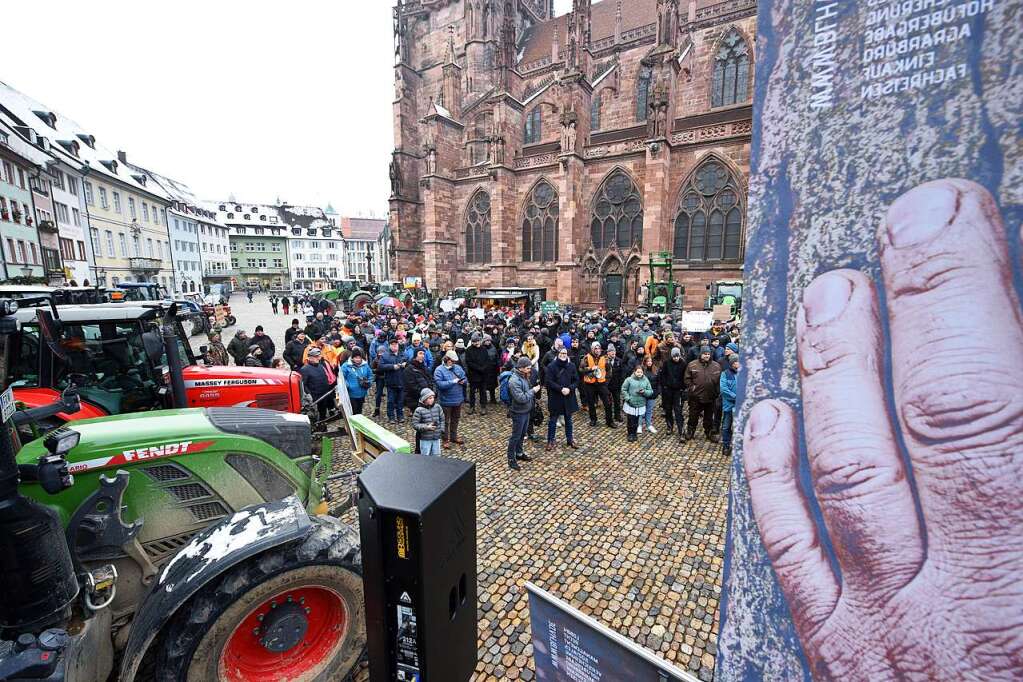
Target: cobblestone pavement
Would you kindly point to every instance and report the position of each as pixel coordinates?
(631, 534)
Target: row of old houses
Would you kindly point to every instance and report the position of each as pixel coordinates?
(74, 211)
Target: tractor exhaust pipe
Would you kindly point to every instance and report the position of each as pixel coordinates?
(169, 332)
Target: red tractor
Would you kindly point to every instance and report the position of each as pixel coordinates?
(116, 355)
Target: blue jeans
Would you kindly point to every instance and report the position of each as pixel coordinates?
(648, 418)
(552, 427)
(395, 406)
(429, 447)
(726, 428)
(520, 422)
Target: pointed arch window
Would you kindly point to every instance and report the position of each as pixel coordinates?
(730, 84)
(710, 218)
(477, 229)
(534, 122)
(540, 225)
(643, 83)
(617, 215)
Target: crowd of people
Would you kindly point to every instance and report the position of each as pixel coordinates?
(434, 367)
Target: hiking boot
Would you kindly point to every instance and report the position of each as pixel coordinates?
(713, 438)
(483, 411)
(376, 412)
(574, 446)
(689, 435)
(727, 452)
(514, 465)
(472, 410)
(593, 422)
(523, 457)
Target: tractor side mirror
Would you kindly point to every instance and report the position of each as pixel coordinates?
(50, 330)
(203, 350)
(708, 287)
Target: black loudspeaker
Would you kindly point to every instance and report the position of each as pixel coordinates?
(417, 519)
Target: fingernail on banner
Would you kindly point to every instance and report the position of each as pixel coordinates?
(876, 518)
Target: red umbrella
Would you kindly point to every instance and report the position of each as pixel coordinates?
(390, 302)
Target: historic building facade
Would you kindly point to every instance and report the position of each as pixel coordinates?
(533, 150)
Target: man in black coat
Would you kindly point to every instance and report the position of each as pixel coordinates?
(314, 377)
(295, 350)
(290, 332)
(615, 378)
(561, 379)
(673, 390)
(476, 362)
(266, 344)
(239, 347)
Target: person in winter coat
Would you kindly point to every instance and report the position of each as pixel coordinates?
(492, 367)
(616, 375)
(216, 354)
(266, 344)
(417, 344)
(358, 379)
(561, 379)
(451, 381)
(638, 393)
(392, 365)
(428, 423)
(290, 332)
(254, 358)
(673, 390)
(703, 377)
(294, 352)
(523, 396)
(653, 374)
(477, 366)
(416, 377)
(727, 385)
(285, 306)
(317, 381)
(273, 302)
(239, 347)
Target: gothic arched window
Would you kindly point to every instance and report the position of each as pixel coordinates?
(478, 136)
(477, 229)
(708, 226)
(533, 126)
(617, 216)
(643, 92)
(595, 112)
(731, 71)
(540, 225)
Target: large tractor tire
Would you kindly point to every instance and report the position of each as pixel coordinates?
(230, 321)
(361, 301)
(293, 613)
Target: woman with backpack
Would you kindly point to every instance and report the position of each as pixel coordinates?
(561, 379)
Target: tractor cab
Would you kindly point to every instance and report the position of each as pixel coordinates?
(725, 292)
(143, 291)
(116, 355)
(661, 294)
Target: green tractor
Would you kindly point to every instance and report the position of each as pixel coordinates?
(725, 292)
(661, 296)
(187, 544)
(349, 295)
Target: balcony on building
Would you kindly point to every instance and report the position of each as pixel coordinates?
(47, 226)
(143, 265)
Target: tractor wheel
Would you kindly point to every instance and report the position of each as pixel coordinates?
(292, 613)
(361, 301)
(230, 321)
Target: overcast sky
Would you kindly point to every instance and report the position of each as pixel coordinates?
(260, 99)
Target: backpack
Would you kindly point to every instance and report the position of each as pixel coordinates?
(505, 394)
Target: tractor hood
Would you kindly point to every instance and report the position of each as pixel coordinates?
(198, 376)
(109, 442)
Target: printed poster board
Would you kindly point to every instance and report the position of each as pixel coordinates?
(722, 313)
(876, 513)
(569, 646)
(697, 320)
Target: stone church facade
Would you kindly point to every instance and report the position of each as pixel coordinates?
(560, 152)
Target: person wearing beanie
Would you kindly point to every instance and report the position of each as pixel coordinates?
(290, 332)
(451, 382)
(523, 397)
(417, 345)
(358, 379)
(702, 383)
(615, 378)
(254, 359)
(428, 423)
(477, 367)
(673, 390)
(391, 364)
(728, 384)
(318, 381)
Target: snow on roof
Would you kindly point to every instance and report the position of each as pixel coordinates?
(20, 145)
(101, 160)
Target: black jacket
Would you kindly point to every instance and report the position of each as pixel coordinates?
(294, 351)
(416, 377)
(616, 374)
(315, 379)
(476, 364)
(673, 375)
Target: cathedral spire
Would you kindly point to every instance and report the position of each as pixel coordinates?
(579, 37)
(451, 45)
(618, 23)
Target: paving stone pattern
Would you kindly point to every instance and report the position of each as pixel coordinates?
(631, 534)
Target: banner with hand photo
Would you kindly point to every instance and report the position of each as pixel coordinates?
(876, 517)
